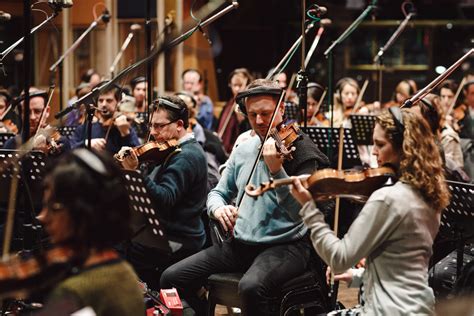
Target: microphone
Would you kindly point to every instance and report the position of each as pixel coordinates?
(60, 4)
(105, 16)
(5, 16)
(318, 10)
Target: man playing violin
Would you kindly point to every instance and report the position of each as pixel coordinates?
(112, 130)
(178, 187)
(40, 131)
(270, 245)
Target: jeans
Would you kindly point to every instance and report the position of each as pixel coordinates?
(266, 268)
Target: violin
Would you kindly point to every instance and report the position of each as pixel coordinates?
(284, 136)
(9, 126)
(21, 275)
(52, 136)
(154, 151)
(327, 184)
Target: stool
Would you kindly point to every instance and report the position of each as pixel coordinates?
(303, 293)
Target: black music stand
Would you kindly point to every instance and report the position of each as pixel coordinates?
(141, 124)
(4, 137)
(320, 136)
(363, 127)
(146, 226)
(32, 170)
(67, 131)
(291, 111)
(457, 220)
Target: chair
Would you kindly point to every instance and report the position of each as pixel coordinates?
(301, 294)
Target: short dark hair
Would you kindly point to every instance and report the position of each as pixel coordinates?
(192, 70)
(91, 188)
(174, 107)
(448, 84)
(114, 88)
(137, 80)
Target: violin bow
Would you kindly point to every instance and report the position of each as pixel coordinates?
(267, 135)
(41, 120)
(321, 100)
(360, 96)
(456, 96)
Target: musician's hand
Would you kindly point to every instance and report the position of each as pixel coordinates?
(227, 216)
(123, 125)
(98, 143)
(299, 192)
(130, 159)
(272, 157)
(345, 277)
(39, 143)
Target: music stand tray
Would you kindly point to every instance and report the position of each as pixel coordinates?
(363, 127)
(147, 229)
(457, 220)
(33, 169)
(67, 131)
(320, 136)
(4, 137)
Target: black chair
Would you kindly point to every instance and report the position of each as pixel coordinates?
(304, 294)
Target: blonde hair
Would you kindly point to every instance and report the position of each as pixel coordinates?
(420, 159)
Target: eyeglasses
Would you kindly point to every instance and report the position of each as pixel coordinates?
(157, 126)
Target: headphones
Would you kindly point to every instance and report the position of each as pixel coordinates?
(33, 94)
(185, 94)
(137, 80)
(397, 115)
(260, 90)
(173, 107)
(92, 162)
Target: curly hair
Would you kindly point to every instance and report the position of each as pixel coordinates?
(420, 159)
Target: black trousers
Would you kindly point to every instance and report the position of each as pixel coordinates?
(266, 268)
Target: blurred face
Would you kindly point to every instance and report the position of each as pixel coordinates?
(191, 82)
(95, 80)
(383, 148)
(162, 128)
(107, 103)
(470, 96)
(446, 97)
(237, 84)
(55, 219)
(348, 96)
(259, 110)
(281, 79)
(139, 92)
(36, 107)
(402, 92)
(313, 107)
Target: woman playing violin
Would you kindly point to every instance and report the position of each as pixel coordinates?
(315, 114)
(347, 91)
(86, 212)
(396, 228)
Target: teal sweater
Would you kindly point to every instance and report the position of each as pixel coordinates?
(272, 217)
(178, 189)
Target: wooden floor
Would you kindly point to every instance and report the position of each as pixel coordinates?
(348, 297)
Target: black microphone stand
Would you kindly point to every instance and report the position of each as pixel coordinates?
(378, 59)
(149, 65)
(302, 77)
(105, 17)
(433, 84)
(89, 97)
(329, 55)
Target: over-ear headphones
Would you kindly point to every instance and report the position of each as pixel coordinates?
(90, 161)
(170, 105)
(260, 90)
(33, 94)
(397, 115)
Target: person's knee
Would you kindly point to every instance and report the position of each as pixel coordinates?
(169, 277)
(250, 289)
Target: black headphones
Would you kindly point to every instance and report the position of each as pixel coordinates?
(173, 107)
(33, 94)
(261, 90)
(397, 115)
(92, 162)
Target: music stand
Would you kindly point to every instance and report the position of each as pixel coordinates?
(32, 170)
(67, 131)
(142, 127)
(4, 137)
(291, 111)
(457, 220)
(320, 136)
(147, 229)
(363, 127)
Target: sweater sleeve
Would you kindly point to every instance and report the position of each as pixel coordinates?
(172, 183)
(371, 228)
